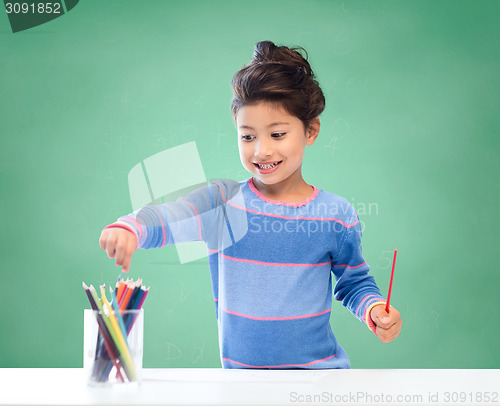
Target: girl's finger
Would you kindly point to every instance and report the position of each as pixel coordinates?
(103, 239)
(126, 263)
(111, 246)
(121, 251)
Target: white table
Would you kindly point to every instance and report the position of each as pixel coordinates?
(59, 386)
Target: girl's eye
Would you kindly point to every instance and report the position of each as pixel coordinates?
(245, 137)
(277, 135)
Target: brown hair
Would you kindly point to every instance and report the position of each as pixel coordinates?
(282, 75)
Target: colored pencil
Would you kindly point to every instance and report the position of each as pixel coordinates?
(390, 284)
(116, 309)
(126, 296)
(103, 339)
(146, 291)
(121, 342)
(131, 300)
(121, 288)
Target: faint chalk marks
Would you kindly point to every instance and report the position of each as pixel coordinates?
(191, 131)
(165, 141)
(112, 140)
(109, 177)
(180, 297)
(220, 139)
(355, 84)
(331, 84)
(409, 313)
(335, 7)
(161, 142)
(109, 209)
(172, 352)
(341, 43)
(108, 133)
(126, 100)
(435, 317)
(340, 128)
(385, 260)
(350, 84)
(205, 298)
(220, 136)
(197, 354)
(367, 85)
(332, 144)
(339, 7)
(133, 102)
(173, 101)
(122, 140)
(200, 102)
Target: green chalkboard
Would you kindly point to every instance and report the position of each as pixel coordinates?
(409, 136)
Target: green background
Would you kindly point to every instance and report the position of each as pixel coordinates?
(409, 136)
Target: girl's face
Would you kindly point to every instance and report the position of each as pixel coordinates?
(272, 143)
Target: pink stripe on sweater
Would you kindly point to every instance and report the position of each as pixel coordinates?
(198, 217)
(125, 227)
(252, 261)
(362, 300)
(164, 233)
(349, 267)
(305, 316)
(280, 366)
(135, 223)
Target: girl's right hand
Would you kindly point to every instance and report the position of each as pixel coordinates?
(119, 243)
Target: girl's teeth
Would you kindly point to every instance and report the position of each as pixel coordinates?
(269, 166)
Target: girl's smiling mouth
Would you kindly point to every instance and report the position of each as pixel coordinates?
(267, 167)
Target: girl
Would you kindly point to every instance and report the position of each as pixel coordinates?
(274, 241)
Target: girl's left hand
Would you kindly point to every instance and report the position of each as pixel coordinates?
(388, 324)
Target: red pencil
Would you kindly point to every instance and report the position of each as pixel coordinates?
(390, 284)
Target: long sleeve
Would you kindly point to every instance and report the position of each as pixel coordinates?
(201, 215)
(190, 218)
(355, 287)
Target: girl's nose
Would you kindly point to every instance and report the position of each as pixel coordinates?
(262, 148)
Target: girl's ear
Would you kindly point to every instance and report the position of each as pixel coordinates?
(312, 131)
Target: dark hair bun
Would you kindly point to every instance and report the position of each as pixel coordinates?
(268, 52)
(279, 74)
(263, 51)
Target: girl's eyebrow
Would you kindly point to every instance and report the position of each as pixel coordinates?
(247, 127)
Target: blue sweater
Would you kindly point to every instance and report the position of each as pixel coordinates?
(271, 267)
